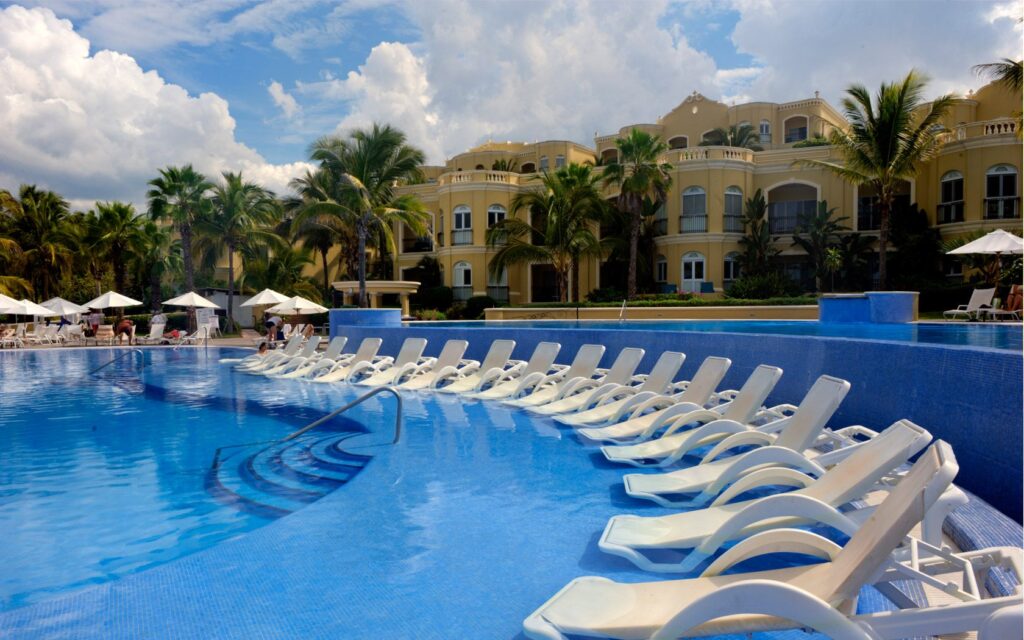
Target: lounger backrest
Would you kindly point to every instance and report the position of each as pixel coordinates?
(308, 350)
(411, 351)
(498, 355)
(368, 349)
(706, 380)
(857, 473)
(287, 330)
(334, 348)
(156, 330)
(814, 412)
(905, 506)
(451, 353)
(624, 366)
(980, 298)
(586, 360)
(543, 357)
(105, 331)
(752, 394)
(293, 345)
(664, 372)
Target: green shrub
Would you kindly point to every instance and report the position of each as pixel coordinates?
(430, 314)
(456, 312)
(759, 287)
(816, 141)
(606, 294)
(475, 307)
(433, 298)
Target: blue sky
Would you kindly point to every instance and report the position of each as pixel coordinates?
(248, 84)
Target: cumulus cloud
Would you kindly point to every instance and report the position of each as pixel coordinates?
(98, 126)
(285, 102)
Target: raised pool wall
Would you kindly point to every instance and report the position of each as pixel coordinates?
(970, 397)
(879, 307)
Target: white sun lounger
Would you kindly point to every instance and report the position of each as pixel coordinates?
(583, 367)
(743, 406)
(980, 301)
(816, 501)
(256, 362)
(339, 370)
(796, 432)
(472, 376)
(156, 334)
(540, 365)
(299, 367)
(821, 597)
(307, 352)
(423, 376)
(589, 391)
(383, 372)
(613, 406)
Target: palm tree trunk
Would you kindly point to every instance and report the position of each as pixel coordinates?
(154, 290)
(186, 255)
(361, 234)
(634, 240)
(327, 280)
(574, 269)
(230, 324)
(117, 260)
(883, 242)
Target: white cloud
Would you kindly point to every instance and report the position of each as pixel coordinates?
(98, 126)
(284, 101)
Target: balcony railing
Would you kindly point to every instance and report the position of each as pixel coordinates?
(732, 224)
(796, 135)
(660, 227)
(462, 236)
(784, 217)
(498, 293)
(417, 245)
(462, 293)
(950, 212)
(1002, 208)
(693, 224)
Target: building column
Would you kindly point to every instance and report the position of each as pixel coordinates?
(404, 298)
(374, 300)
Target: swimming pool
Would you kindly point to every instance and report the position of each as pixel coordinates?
(460, 530)
(1007, 337)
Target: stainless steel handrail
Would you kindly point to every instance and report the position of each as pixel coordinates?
(116, 358)
(357, 401)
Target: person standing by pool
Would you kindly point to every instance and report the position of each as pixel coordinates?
(95, 319)
(274, 328)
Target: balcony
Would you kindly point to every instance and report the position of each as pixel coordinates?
(785, 217)
(732, 224)
(951, 212)
(1002, 208)
(660, 227)
(697, 154)
(422, 244)
(498, 293)
(461, 294)
(462, 236)
(693, 224)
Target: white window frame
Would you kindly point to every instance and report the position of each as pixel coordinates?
(734, 193)
(661, 270)
(731, 267)
(466, 214)
(693, 259)
(695, 191)
(764, 131)
(559, 161)
(543, 163)
(462, 274)
(493, 213)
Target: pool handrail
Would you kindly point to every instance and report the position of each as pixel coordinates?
(366, 396)
(116, 358)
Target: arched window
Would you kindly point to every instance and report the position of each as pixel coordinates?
(692, 271)
(733, 221)
(497, 285)
(543, 163)
(1001, 193)
(495, 214)
(951, 197)
(678, 142)
(528, 167)
(660, 269)
(559, 161)
(462, 281)
(610, 155)
(731, 267)
(462, 225)
(479, 167)
(788, 203)
(795, 128)
(766, 132)
(695, 211)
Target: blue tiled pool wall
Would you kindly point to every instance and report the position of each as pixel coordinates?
(969, 397)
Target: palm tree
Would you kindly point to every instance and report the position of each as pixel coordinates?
(120, 236)
(240, 213)
(1006, 72)
(638, 175)
(758, 249)
(317, 233)
(179, 195)
(38, 229)
(282, 272)
(615, 242)
(505, 164)
(742, 135)
(886, 141)
(159, 255)
(365, 167)
(816, 234)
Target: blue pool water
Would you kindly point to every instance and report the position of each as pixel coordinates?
(469, 523)
(990, 336)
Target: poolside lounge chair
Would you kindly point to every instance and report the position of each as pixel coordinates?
(821, 597)
(326, 371)
(614, 405)
(385, 371)
(299, 368)
(540, 364)
(257, 363)
(980, 302)
(589, 391)
(796, 432)
(423, 376)
(472, 376)
(199, 335)
(156, 334)
(815, 501)
(743, 406)
(582, 368)
(307, 352)
(1011, 308)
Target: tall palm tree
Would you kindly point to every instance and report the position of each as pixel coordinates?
(758, 249)
(241, 212)
(179, 195)
(38, 224)
(365, 167)
(816, 233)
(887, 140)
(638, 174)
(742, 135)
(159, 255)
(1007, 72)
(120, 236)
(282, 271)
(316, 233)
(615, 242)
(563, 214)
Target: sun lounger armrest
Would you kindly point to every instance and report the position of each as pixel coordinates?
(745, 438)
(575, 386)
(653, 401)
(679, 387)
(687, 413)
(495, 374)
(767, 477)
(528, 382)
(850, 433)
(443, 374)
(409, 369)
(721, 397)
(774, 541)
(771, 455)
(359, 368)
(765, 597)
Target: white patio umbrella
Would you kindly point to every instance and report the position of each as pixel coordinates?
(8, 304)
(298, 306)
(191, 299)
(267, 296)
(29, 308)
(112, 299)
(63, 307)
(994, 243)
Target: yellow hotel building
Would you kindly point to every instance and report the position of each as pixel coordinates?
(973, 184)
